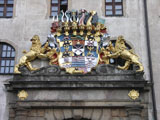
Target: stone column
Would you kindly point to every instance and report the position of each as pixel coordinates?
(21, 114)
(134, 112)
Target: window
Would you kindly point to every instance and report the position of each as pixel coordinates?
(57, 6)
(114, 7)
(6, 8)
(7, 55)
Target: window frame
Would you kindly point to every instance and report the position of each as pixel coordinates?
(113, 4)
(58, 5)
(7, 58)
(5, 5)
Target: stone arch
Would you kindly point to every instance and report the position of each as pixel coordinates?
(78, 114)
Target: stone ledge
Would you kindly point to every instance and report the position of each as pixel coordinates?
(15, 85)
(75, 104)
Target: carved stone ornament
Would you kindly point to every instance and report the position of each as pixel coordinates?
(133, 94)
(78, 43)
(22, 95)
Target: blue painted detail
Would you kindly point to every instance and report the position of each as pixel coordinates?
(63, 49)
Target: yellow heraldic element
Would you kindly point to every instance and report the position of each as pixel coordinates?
(97, 30)
(66, 28)
(22, 95)
(36, 51)
(81, 28)
(53, 56)
(120, 50)
(105, 52)
(133, 94)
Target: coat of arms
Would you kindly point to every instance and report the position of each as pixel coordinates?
(78, 43)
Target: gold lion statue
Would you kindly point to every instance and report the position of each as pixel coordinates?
(36, 51)
(120, 50)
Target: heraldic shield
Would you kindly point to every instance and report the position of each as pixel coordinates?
(78, 43)
(78, 54)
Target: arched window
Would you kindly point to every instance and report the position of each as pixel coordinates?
(7, 55)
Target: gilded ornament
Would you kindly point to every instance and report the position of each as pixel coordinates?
(78, 53)
(22, 95)
(120, 50)
(89, 21)
(66, 28)
(133, 94)
(97, 30)
(74, 28)
(81, 28)
(104, 55)
(36, 51)
(52, 55)
(89, 29)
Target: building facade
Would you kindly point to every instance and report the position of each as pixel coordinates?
(137, 20)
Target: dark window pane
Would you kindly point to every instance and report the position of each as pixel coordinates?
(63, 2)
(118, 7)
(108, 0)
(3, 54)
(7, 70)
(12, 63)
(1, 1)
(13, 54)
(7, 62)
(118, 0)
(8, 54)
(9, 8)
(1, 8)
(9, 14)
(108, 7)
(9, 48)
(1, 14)
(54, 8)
(10, 2)
(109, 12)
(54, 13)
(54, 1)
(118, 12)
(3, 63)
(2, 70)
(4, 47)
(11, 69)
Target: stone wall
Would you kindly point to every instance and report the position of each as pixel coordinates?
(78, 114)
(154, 27)
(52, 94)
